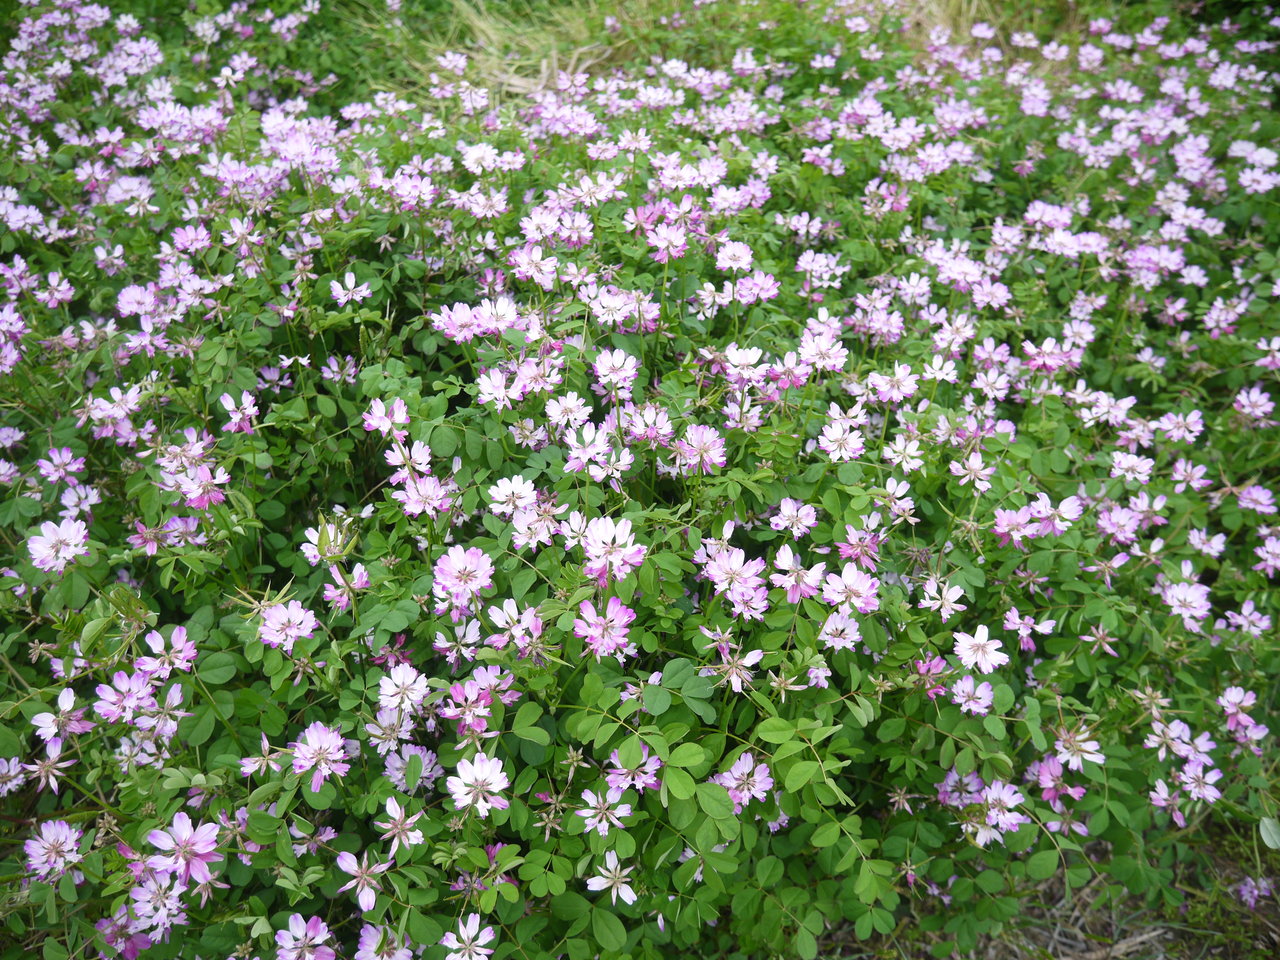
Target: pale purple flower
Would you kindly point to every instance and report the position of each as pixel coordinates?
(604, 811)
(399, 827)
(283, 624)
(461, 574)
(364, 878)
(54, 850)
(972, 697)
(349, 291)
(746, 780)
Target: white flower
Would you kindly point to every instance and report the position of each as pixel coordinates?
(614, 879)
(57, 544)
(979, 651)
(404, 688)
(469, 942)
(477, 784)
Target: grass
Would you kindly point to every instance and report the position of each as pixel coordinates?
(515, 47)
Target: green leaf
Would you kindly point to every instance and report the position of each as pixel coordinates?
(1269, 827)
(891, 729)
(1004, 698)
(608, 929)
(679, 784)
(714, 801)
(525, 723)
(199, 725)
(656, 699)
(569, 906)
(801, 775)
(1042, 865)
(687, 755)
(217, 668)
(769, 871)
(775, 730)
(806, 944)
(413, 772)
(827, 834)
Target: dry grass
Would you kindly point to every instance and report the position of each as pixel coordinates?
(519, 46)
(1046, 19)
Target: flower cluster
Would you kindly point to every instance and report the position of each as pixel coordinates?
(811, 473)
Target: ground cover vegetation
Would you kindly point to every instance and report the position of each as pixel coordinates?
(809, 478)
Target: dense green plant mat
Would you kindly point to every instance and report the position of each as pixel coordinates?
(798, 485)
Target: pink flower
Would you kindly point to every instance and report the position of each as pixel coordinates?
(606, 633)
(304, 940)
(322, 751)
(189, 849)
(701, 450)
(460, 575)
(477, 784)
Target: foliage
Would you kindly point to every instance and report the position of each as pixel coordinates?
(814, 483)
